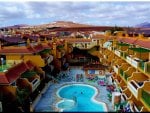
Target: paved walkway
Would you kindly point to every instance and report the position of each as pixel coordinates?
(49, 98)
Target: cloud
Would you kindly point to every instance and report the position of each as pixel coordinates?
(98, 13)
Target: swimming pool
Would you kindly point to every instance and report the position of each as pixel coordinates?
(79, 97)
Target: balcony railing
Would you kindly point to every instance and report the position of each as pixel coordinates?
(121, 72)
(35, 84)
(116, 69)
(142, 65)
(123, 97)
(135, 62)
(125, 55)
(126, 76)
(118, 53)
(133, 86)
(129, 59)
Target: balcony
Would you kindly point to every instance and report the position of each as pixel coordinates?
(129, 59)
(50, 59)
(136, 82)
(125, 54)
(126, 94)
(145, 95)
(107, 44)
(122, 46)
(117, 65)
(145, 66)
(114, 59)
(136, 105)
(35, 83)
(140, 56)
(129, 72)
(122, 86)
(110, 57)
(135, 62)
(110, 48)
(118, 53)
(106, 53)
(117, 80)
(123, 68)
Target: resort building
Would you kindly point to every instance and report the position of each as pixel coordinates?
(123, 61)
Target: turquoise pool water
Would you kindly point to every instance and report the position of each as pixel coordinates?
(79, 97)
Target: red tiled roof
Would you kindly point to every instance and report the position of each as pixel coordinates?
(46, 46)
(78, 40)
(110, 37)
(120, 38)
(50, 44)
(98, 37)
(143, 43)
(3, 79)
(40, 47)
(14, 73)
(129, 40)
(30, 64)
(16, 50)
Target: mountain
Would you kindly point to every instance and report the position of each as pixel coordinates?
(63, 24)
(143, 25)
(17, 26)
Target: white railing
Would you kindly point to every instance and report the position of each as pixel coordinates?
(129, 59)
(123, 97)
(118, 53)
(105, 56)
(135, 63)
(116, 70)
(35, 84)
(110, 48)
(132, 88)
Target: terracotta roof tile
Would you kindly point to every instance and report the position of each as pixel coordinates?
(16, 51)
(98, 37)
(78, 40)
(129, 40)
(14, 72)
(143, 43)
(12, 39)
(30, 64)
(38, 47)
(3, 79)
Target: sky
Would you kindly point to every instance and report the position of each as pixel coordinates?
(105, 13)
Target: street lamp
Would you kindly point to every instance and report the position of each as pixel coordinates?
(2, 61)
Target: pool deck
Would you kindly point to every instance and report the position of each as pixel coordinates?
(70, 77)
